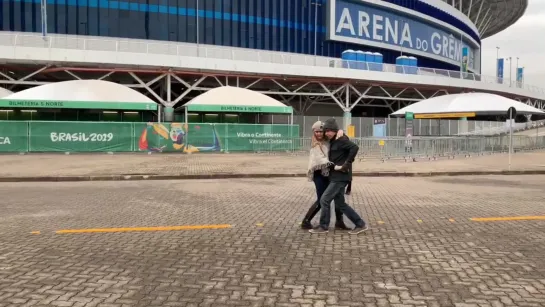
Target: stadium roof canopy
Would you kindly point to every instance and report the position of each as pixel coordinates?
(4, 92)
(491, 16)
(80, 94)
(463, 105)
(236, 100)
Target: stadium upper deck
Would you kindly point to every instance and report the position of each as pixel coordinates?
(490, 16)
(294, 44)
(294, 26)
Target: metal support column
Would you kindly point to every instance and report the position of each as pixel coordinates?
(169, 110)
(347, 115)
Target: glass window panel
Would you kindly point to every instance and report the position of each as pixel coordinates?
(72, 20)
(61, 18)
(6, 19)
(18, 7)
(235, 24)
(103, 21)
(92, 21)
(82, 20)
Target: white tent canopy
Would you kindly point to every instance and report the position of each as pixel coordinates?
(478, 103)
(4, 92)
(89, 94)
(229, 99)
(230, 95)
(83, 90)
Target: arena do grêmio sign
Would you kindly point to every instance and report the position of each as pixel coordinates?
(362, 23)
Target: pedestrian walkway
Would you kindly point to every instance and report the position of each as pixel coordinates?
(221, 164)
(238, 243)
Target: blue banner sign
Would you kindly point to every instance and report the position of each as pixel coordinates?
(520, 74)
(379, 127)
(367, 24)
(499, 70)
(465, 58)
(520, 77)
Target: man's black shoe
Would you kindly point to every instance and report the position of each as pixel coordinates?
(341, 226)
(306, 225)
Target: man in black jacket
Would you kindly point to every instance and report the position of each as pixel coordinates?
(342, 153)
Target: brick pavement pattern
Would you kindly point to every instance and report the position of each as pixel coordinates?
(198, 164)
(422, 249)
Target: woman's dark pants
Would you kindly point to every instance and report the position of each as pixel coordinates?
(321, 183)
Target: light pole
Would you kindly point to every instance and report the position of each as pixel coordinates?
(510, 71)
(498, 64)
(197, 17)
(316, 4)
(510, 60)
(517, 73)
(402, 26)
(462, 68)
(43, 4)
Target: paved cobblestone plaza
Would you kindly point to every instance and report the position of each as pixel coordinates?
(423, 249)
(219, 164)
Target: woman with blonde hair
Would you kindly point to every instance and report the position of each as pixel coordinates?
(318, 172)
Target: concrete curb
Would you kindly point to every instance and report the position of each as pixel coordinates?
(256, 176)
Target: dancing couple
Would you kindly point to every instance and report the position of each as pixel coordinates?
(330, 167)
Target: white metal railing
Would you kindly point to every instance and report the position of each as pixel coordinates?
(92, 43)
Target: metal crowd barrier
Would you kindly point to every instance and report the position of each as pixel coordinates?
(427, 148)
(448, 147)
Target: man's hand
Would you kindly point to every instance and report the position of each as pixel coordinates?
(340, 133)
(341, 168)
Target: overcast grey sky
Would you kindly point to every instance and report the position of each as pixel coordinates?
(525, 40)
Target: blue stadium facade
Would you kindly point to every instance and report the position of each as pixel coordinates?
(278, 25)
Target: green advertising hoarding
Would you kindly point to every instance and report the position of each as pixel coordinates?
(80, 137)
(205, 137)
(258, 137)
(13, 136)
(57, 104)
(38, 136)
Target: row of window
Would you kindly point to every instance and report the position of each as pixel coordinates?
(296, 14)
(430, 10)
(257, 34)
(139, 25)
